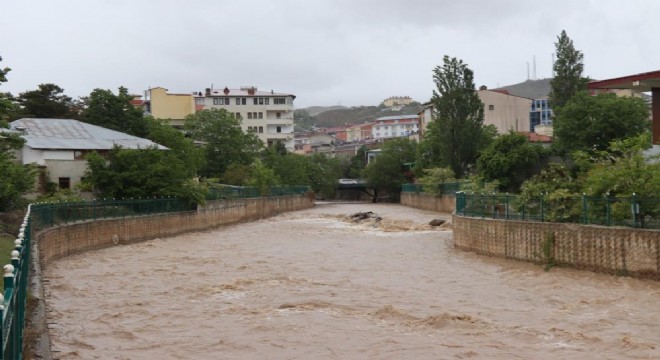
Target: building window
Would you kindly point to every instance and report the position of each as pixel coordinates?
(255, 101)
(278, 115)
(238, 116)
(491, 107)
(279, 129)
(279, 101)
(261, 101)
(64, 183)
(261, 115)
(261, 129)
(249, 115)
(266, 101)
(199, 101)
(79, 155)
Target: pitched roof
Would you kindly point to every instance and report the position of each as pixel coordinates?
(68, 134)
(398, 117)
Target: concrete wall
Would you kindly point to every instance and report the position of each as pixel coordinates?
(614, 250)
(444, 203)
(62, 241)
(170, 106)
(506, 112)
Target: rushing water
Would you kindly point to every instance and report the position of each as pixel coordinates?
(312, 285)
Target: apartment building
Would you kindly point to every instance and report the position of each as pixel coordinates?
(266, 113)
(509, 112)
(395, 126)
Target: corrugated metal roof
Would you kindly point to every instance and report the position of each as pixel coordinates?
(69, 134)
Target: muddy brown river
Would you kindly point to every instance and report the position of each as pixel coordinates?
(312, 285)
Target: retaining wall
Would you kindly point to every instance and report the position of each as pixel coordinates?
(614, 250)
(444, 203)
(61, 241)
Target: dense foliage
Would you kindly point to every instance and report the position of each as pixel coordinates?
(510, 159)
(128, 173)
(224, 142)
(455, 135)
(105, 109)
(388, 171)
(15, 179)
(48, 101)
(590, 123)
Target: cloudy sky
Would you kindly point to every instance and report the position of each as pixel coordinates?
(326, 52)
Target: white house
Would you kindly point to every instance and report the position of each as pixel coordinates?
(60, 146)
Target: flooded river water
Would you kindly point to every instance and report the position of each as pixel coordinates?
(311, 285)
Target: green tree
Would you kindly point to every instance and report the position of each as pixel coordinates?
(357, 163)
(16, 179)
(323, 173)
(433, 179)
(509, 160)
(181, 146)
(262, 177)
(48, 101)
(592, 122)
(129, 173)
(623, 170)
(455, 133)
(223, 140)
(387, 172)
(568, 67)
(6, 104)
(105, 109)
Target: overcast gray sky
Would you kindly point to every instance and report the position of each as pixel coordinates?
(339, 52)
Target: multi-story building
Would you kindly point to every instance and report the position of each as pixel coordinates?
(266, 113)
(395, 126)
(540, 116)
(358, 132)
(507, 112)
(171, 107)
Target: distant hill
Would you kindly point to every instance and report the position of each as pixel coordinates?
(339, 116)
(532, 89)
(315, 110)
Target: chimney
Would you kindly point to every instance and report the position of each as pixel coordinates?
(208, 92)
(226, 91)
(251, 90)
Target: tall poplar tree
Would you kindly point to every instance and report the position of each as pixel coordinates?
(568, 68)
(454, 136)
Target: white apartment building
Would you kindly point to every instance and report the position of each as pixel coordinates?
(395, 126)
(266, 113)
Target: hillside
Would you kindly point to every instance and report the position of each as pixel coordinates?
(532, 89)
(338, 116)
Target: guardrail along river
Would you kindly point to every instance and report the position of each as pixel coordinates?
(314, 285)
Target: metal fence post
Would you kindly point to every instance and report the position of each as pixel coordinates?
(608, 210)
(584, 208)
(635, 209)
(542, 208)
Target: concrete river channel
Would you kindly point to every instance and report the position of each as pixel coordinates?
(314, 284)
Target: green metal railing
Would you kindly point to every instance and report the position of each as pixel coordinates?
(14, 297)
(241, 192)
(444, 188)
(632, 211)
(58, 213)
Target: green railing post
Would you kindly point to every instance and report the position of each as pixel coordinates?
(94, 210)
(608, 210)
(584, 208)
(634, 207)
(542, 208)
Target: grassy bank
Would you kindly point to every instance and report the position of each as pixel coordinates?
(6, 246)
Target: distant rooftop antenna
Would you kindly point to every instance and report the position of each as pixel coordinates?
(552, 69)
(534, 67)
(528, 70)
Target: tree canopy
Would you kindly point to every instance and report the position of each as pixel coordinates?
(5, 101)
(223, 140)
(48, 101)
(455, 134)
(129, 173)
(592, 122)
(105, 109)
(177, 143)
(16, 179)
(568, 67)
(509, 160)
(388, 171)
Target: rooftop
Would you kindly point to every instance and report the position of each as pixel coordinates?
(69, 134)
